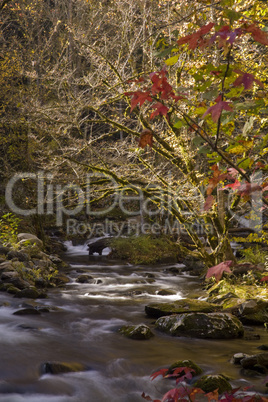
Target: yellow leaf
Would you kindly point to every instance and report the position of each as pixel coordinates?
(172, 60)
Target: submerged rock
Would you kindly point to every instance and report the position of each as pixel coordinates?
(27, 311)
(201, 325)
(157, 310)
(62, 367)
(209, 383)
(84, 278)
(139, 332)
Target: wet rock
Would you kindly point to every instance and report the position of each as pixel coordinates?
(27, 311)
(165, 292)
(30, 293)
(3, 250)
(12, 290)
(23, 257)
(209, 383)
(28, 238)
(149, 275)
(6, 266)
(257, 362)
(84, 278)
(201, 325)
(62, 367)
(61, 279)
(263, 347)
(139, 332)
(7, 276)
(254, 312)
(157, 310)
(98, 281)
(173, 270)
(186, 363)
(236, 359)
(244, 268)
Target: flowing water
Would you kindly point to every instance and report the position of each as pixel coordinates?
(82, 327)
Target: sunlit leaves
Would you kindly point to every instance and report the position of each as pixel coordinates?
(146, 138)
(196, 39)
(246, 79)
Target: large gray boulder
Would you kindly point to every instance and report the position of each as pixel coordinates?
(29, 238)
(201, 325)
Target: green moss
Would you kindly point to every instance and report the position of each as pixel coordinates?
(144, 249)
(209, 383)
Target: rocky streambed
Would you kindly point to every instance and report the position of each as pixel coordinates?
(96, 329)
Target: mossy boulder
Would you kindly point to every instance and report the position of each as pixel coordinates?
(157, 310)
(201, 325)
(139, 332)
(28, 238)
(209, 383)
(62, 367)
(186, 363)
(30, 293)
(253, 312)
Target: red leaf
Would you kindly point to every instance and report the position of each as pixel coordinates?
(217, 109)
(226, 34)
(147, 397)
(182, 373)
(160, 84)
(146, 138)
(209, 202)
(139, 97)
(213, 396)
(265, 278)
(218, 270)
(246, 79)
(161, 372)
(258, 35)
(160, 109)
(174, 394)
(234, 185)
(217, 177)
(196, 38)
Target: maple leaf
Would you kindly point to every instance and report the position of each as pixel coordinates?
(219, 269)
(234, 185)
(160, 109)
(194, 392)
(196, 38)
(225, 34)
(183, 373)
(218, 176)
(175, 395)
(258, 35)
(139, 97)
(217, 109)
(209, 202)
(246, 79)
(213, 396)
(146, 138)
(161, 372)
(160, 84)
(264, 278)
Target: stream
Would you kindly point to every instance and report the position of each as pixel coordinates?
(82, 326)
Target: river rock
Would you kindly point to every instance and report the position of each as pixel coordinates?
(28, 238)
(6, 267)
(236, 359)
(27, 311)
(30, 293)
(139, 332)
(3, 250)
(23, 257)
(165, 292)
(258, 362)
(209, 383)
(157, 310)
(201, 325)
(12, 290)
(253, 312)
(62, 367)
(7, 276)
(84, 278)
(61, 279)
